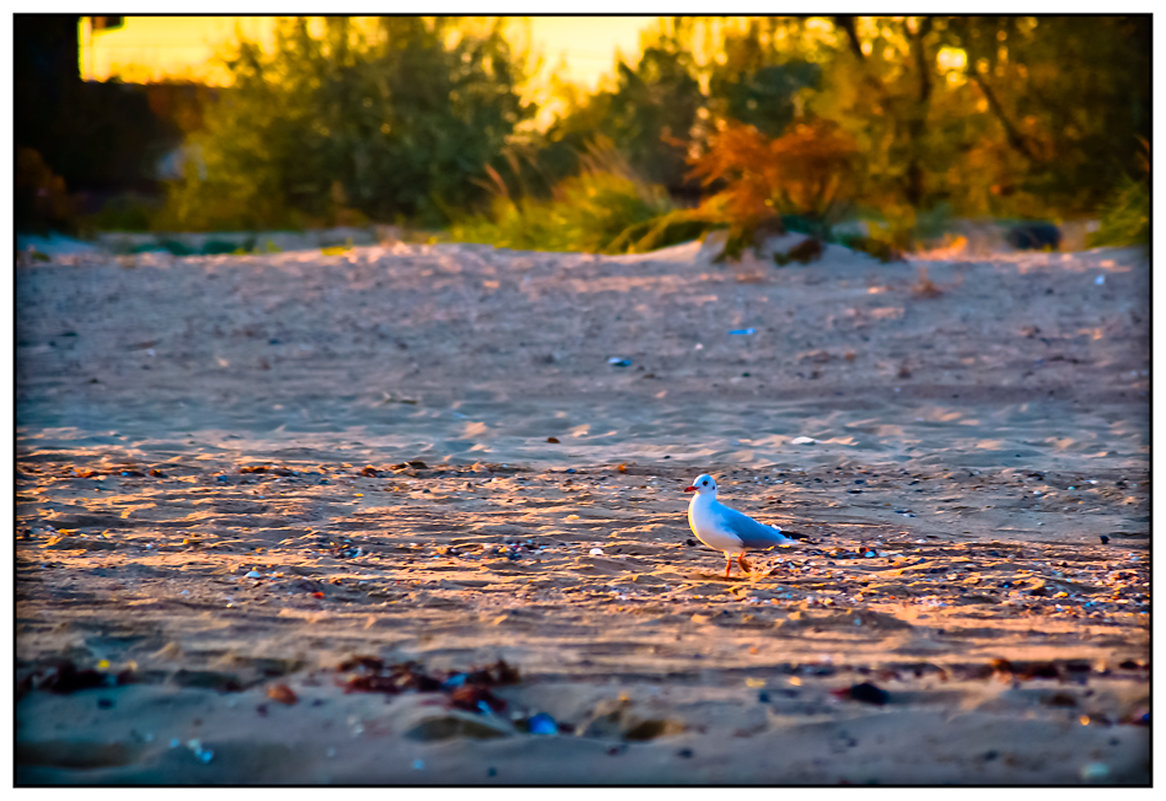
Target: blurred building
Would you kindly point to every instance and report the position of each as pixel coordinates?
(81, 143)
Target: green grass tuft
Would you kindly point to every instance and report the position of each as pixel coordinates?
(588, 212)
(1125, 218)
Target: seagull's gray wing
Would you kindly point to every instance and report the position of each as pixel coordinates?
(751, 533)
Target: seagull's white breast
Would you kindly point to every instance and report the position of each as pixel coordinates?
(709, 527)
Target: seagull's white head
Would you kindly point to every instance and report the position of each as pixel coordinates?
(703, 485)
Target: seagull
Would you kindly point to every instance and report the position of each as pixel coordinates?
(725, 529)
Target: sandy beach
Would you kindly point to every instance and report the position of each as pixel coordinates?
(251, 490)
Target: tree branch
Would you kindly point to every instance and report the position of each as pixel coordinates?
(921, 61)
(917, 122)
(846, 23)
(1015, 137)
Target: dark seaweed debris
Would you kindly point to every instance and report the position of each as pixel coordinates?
(263, 468)
(1028, 670)
(66, 678)
(475, 698)
(866, 692)
(467, 690)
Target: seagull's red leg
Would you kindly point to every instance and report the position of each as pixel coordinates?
(744, 565)
(728, 564)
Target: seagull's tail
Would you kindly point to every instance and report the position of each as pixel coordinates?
(792, 535)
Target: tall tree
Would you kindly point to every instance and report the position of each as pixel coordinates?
(1070, 94)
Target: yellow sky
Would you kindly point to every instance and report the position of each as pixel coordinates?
(152, 48)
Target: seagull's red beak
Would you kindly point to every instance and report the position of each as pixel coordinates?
(690, 489)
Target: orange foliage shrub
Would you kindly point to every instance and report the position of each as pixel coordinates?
(807, 171)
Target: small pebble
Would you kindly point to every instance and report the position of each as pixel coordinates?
(542, 723)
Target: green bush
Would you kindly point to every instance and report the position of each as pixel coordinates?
(125, 212)
(389, 123)
(1125, 219)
